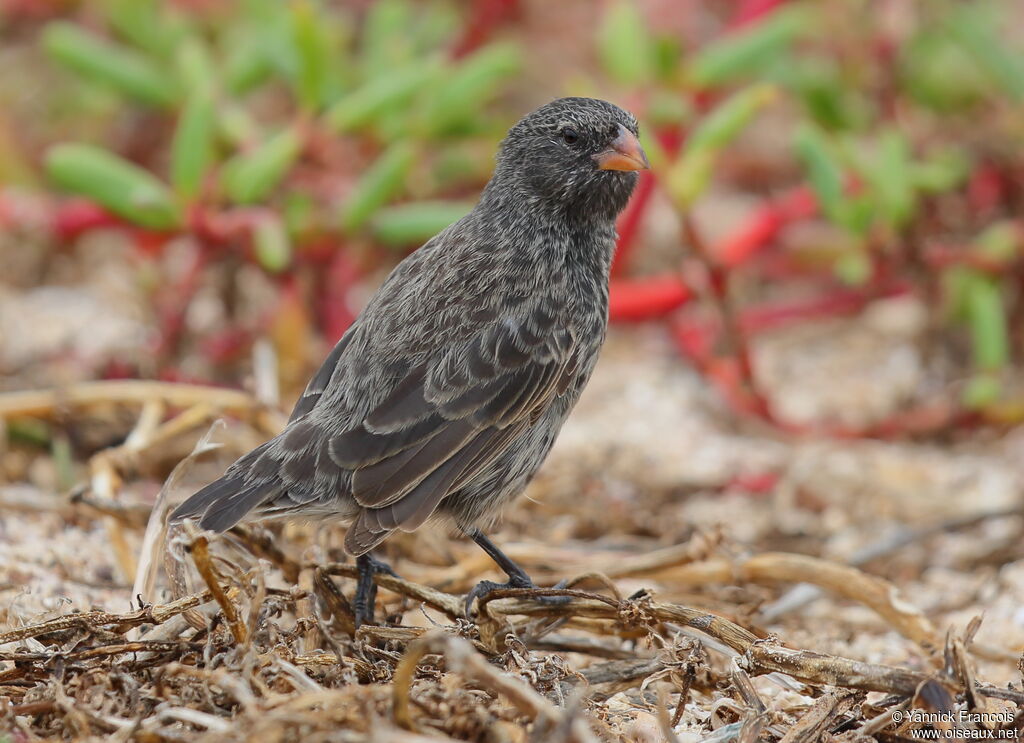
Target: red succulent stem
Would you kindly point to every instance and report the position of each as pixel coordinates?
(173, 303)
(986, 189)
(735, 336)
(749, 11)
(698, 337)
(762, 227)
(629, 223)
(944, 256)
(646, 299)
(485, 17)
(78, 216)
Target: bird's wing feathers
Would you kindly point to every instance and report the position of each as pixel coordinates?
(448, 419)
(460, 399)
(409, 512)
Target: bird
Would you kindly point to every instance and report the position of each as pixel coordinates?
(443, 398)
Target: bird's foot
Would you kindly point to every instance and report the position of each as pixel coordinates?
(366, 589)
(516, 579)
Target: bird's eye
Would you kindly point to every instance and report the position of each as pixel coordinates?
(570, 135)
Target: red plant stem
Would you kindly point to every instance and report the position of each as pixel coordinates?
(698, 338)
(748, 11)
(650, 299)
(77, 216)
(173, 303)
(629, 222)
(986, 189)
(764, 226)
(735, 337)
(485, 17)
(944, 256)
(646, 299)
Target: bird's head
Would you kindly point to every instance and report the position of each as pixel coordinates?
(580, 155)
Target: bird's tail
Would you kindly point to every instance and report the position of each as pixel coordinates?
(224, 502)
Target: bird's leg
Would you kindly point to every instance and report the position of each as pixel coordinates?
(366, 589)
(517, 577)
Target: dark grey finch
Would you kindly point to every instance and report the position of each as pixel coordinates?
(444, 397)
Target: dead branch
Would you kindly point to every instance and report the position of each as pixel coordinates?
(43, 403)
(201, 557)
(876, 593)
(91, 620)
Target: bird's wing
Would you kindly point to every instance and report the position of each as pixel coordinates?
(444, 421)
(507, 373)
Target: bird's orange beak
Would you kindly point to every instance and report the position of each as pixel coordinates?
(624, 154)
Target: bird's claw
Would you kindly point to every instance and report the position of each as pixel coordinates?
(485, 587)
(366, 588)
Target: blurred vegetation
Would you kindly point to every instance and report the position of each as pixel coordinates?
(389, 88)
(311, 138)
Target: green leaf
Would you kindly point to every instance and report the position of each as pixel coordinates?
(719, 128)
(690, 176)
(315, 55)
(380, 97)
(823, 169)
(956, 282)
(986, 318)
(466, 89)
(746, 51)
(382, 182)
(143, 23)
(386, 31)
(437, 26)
(626, 48)
(692, 171)
(111, 64)
(250, 176)
(976, 34)
(271, 245)
(120, 186)
(1000, 242)
(415, 223)
(192, 147)
(247, 64)
(235, 124)
(195, 68)
(890, 178)
(666, 108)
(940, 73)
(943, 171)
(853, 267)
(981, 391)
(831, 100)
